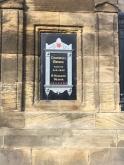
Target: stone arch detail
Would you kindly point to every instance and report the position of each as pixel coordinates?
(106, 7)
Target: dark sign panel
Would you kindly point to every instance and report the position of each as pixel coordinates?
(58, 66)
(58, 69)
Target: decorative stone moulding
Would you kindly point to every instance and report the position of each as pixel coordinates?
(106, 7)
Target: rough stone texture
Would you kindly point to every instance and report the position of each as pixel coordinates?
(106, 7)
(59, 120)
(12, 120)
(60, 156)
(10, 4)
(11, 50)
(109, 1)
(13, 157)
(121, 5)
(63, 5)
(1, 141)
(112, 156)
(88, 131)
(109, 121)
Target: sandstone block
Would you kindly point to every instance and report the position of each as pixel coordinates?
(86, 20)
(59, 120)
(91, 139)
(41, 18)
(106, 21)
(12, 157)
(30, 42)
(88, 44)
(32, 141)
(89, 93)
(107, 70)
(28, 88)
(60, 156)
(9, 68)
(120, 134)
(12, 120)
(88, 69)
(109, 120)
(121, 5)
(112, 156)
(106, 45)
(29, 75)
(106, 92)
(63, 5)
(110, 1)
(1, 141)
(9, 97)
(7, 46)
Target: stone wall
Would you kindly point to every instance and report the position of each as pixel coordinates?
(88, 131)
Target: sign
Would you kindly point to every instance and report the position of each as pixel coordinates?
(58, 69)
(57, 60)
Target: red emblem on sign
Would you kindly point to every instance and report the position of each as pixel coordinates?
(59, 45)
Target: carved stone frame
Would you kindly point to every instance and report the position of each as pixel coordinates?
(57, 104)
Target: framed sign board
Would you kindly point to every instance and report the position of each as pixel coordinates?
(58, 66)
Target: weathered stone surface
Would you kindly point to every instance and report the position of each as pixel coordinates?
(28, 89)
(116, 45)
(88, 69)
(42, 18)
(30, 42)
(99, 156)
(106, 69)
(120, 139)
(106, 21)
(89, 95)
(60, 138)
(11, 55)
(9, 68)
(109, 1)
(7, 46)
(63, 5)
(112, 156)
(16, 156)
(32, 141)
(109, 120)
(59, 120)
(9, 97)
(108, 97)
(88, 44)
(18, 4)
(106, 45)
(90, 139)
(1, 141)
(9, 31)
(4, 131)
(20, 31)
(61, 130)
(12, 120)
(10, 20)
(12, 28)
(60, 156)
(29, 75)
(85, 20)
(121, 5)
(106, 7)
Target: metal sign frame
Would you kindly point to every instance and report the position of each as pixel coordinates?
(58, 47)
